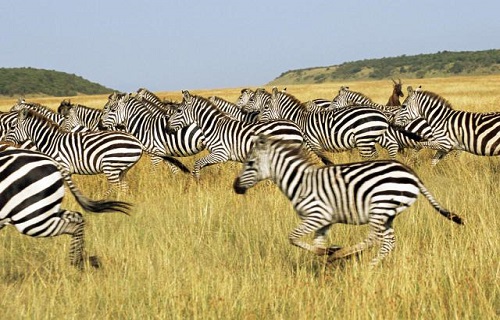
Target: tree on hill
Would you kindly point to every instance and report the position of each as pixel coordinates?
(24, 81)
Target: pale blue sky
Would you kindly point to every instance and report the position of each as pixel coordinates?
(175, 45)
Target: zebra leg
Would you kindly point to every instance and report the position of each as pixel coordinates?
(320, 243)
(367, 150)
(355, 249)
(307, 227)
(440, 154)
(206, 161)
(76, 228)
(62, 222)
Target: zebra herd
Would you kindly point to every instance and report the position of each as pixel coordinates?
(275, 135)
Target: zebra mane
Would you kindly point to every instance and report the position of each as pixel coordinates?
(435, 97)
(291, 149)
(30, 113)
(303, 105)
(207, 103)
(360, 94)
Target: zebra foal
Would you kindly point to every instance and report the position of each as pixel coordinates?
(371, 192)
(31, 193)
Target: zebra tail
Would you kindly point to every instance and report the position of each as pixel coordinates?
(176, 163)
(96, 206)
(444, 212)
(409, 134)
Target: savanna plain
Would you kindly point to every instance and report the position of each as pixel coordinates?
(197, 250)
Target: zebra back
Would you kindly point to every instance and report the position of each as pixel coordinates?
(346, 98)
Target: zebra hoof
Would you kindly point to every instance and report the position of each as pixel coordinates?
(95, 262)
(331, 250)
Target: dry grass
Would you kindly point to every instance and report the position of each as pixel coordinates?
(196, 251)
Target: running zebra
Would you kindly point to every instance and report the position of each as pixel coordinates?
(78, 117)
(476, 133)
(233, 110)
(31, 193)
(226, 138)
(329, 131)
(346, 98)
(371, 192)
(151, 129)
(109, 152)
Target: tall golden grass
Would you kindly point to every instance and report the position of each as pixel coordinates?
(199, 251)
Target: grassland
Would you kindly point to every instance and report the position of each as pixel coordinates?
(199, 251)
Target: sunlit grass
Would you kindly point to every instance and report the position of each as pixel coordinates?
(198, 250)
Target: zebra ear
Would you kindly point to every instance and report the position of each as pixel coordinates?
(274, 92)
(261, 140)
(410, 90)
(23, 113)
(185, 94)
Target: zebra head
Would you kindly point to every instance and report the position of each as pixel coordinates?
(257, 166)
(342, 99)
(184, 115)
(72, 122)
(115, 111)
(256, 101)
(271, 109)
(245, 96)
(409, 109)
(18, 132)
(64, 106)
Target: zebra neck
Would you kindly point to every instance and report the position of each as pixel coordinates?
(45, 138)
(289, 175)
(436, 116)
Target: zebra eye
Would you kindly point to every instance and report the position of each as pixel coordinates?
(250, 163)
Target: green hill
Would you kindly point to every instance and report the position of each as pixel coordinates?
(31, 81)
(441, 64)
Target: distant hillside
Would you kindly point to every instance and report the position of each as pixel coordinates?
(31, 81)
(439, 64)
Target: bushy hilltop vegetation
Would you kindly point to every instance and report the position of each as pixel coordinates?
(439, 64)
(31, 81)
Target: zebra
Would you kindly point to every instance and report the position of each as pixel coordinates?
(79, 117)
(226, 138)
(369, 192)
(329, 131)
(94, 152)
(31, 193)
(233, 110)
(346, 98)
(473, 132)
(151, 130)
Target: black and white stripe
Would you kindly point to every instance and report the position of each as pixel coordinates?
(233, 110)
(151, 129)
(226, 138)
(329, 131)
(31, 193)
(109, 152)
(346, 98)
(476, 133)
(371, 192)
(78, 117)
